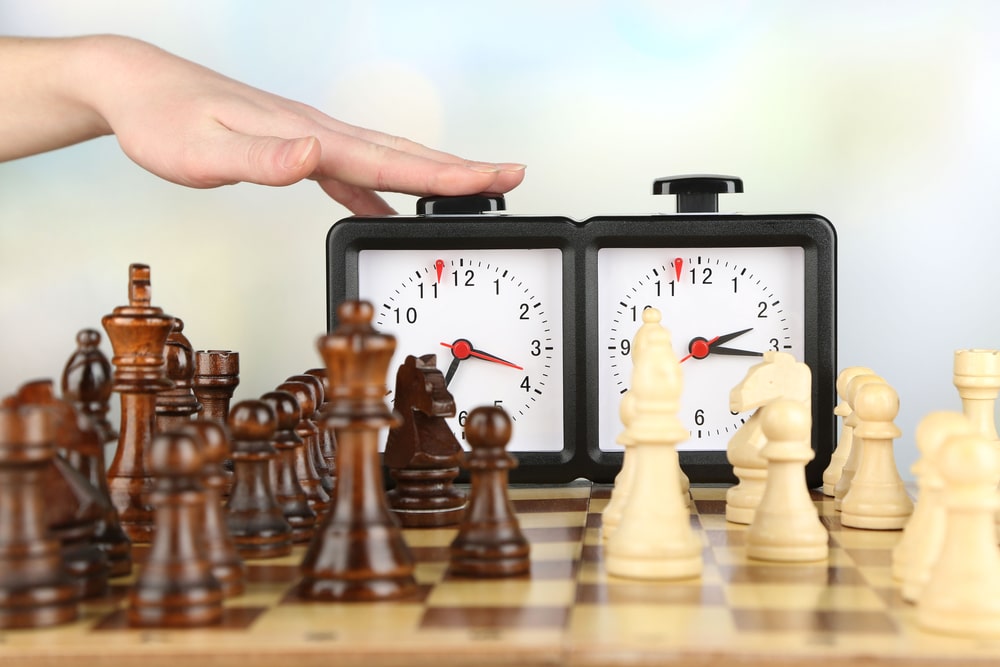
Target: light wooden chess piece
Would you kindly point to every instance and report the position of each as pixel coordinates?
(832, 473)
(777, 376)
(786, 525)
(654, 539)
(851, 421)
(877, 499)
(915, 554)
(962, 596)
(612, 514)
(977, 378)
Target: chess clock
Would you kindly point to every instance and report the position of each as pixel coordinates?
(536, 314)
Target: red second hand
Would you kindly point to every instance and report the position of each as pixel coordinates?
(462, 349)
(699, 349)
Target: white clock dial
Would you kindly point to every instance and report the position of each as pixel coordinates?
(494, 320)
(724, 308)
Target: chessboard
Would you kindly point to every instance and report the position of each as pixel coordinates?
(568, 610)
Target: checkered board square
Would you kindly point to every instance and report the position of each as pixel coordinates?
(844, 611)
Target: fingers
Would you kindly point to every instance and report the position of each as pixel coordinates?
(359, 201)
(235, 158)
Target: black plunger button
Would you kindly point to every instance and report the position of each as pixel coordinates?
(697, 193)
(463, 205)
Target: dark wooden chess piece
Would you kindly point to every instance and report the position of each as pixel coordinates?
(216, 376)
(422, 453)
(328, 442)
(175, 587)
(309, 478)
(86, 385)
(288, 491)
(35, 590)
(227, 566)
(138, 333)
(253, 517)
(177, 406)
(489, 541)
(359, 552)
(323, 436)
(78, 511)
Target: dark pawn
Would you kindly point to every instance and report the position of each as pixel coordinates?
(35, 590)
(284, 482)
(176, 407)
(227, 566)
(309, 478)
(359, 553)
(254, 518)
(329, 445)
(86, 385)
(315, 445)
(175, 587)
(138, 333)
(489, 541)
(422, 453)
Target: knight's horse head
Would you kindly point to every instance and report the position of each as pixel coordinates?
(779, 375)
(421, 386)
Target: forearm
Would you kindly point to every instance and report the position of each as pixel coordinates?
(44, 104)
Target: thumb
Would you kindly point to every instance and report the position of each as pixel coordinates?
(272, 160)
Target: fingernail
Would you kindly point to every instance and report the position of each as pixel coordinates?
(512, 166)
(484, 167)
(296, 152)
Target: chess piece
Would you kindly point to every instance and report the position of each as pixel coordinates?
(138, 333)
(86, 383)
(309, 478)
(79, 511)
(227, 566)
(489, 542)
(358, 553)
(877, 498)
(839, 457)
(654, 539)
(253, 516)
(421, 452)
(779, 375)
(322, 437)
(176, 407)
(786, 525)
(35, 590)
(216, 377)
(175, 587)
(328, 438)
(612, 514)
(962, 596)
(917, 551)
(288, 493)
(977, 378)
(854, 456)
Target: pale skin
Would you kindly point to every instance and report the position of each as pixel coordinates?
(193, 126)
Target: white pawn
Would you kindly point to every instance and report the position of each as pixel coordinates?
(832, 473)
(962, 596)
(786, 525)
(915, 554)
(851, 421)
(654, 539)
(877, 498)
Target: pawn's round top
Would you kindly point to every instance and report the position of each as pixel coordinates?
(787, 424)
(876, 405)
(252, 420)
(935, 428)
(304, 395)
(285, 407)
(316, 384)
(488, 428)
(853, 386)
(969, 460)
(175, 454)
(214, 440)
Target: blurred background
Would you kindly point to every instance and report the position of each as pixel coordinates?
(882, 116)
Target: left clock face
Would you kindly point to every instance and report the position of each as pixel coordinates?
(494, 320)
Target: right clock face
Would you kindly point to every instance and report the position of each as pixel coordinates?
(724, 308)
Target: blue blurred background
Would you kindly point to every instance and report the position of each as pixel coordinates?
(883, 119)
